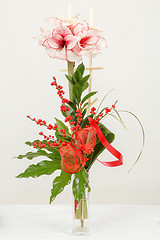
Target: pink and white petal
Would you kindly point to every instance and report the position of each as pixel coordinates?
(90, 40)
(70, 41)
(40, 39)
(85, 47)
(86, 25)
(84, 52)
(51, 52)
(101, 43)
(76, 49)
(45, 44)
(72, 57)
(81, 34)
(61, 54)
(56, 41)
(63, 30)
(93, 53)
(78, 28)
(95, 32)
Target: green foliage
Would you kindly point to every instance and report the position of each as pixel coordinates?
(81, 69)
(61, 125)
(84, 80)
(79, 83)
(59, 184)
(99, 148)
(77, 91)
(30, 155)
(84, 112)
(88, 96)
(70, 79)
(85, 86)
(42, 168)
(80, 182)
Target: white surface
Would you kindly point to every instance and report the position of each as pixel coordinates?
(111, 222)
(131, 66)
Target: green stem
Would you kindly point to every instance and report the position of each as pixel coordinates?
(70, 73)
(82, 209)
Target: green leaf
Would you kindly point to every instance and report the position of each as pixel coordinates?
(81, 69)
(85, 86)
(99, 148)
(88, 96)
(41, 168)
(70, 79)
(79, 184)
(31, 155)
(61, 125)
(59, 184)
(53, 155)
(77, 76)
(85, 105)
(59, 136)
(72, 105)
(77, 91)
(83, 80)
(84, 112)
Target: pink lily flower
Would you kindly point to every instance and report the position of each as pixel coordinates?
(90, 40)
(59, 41)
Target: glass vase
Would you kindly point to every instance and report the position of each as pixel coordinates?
(81, 215)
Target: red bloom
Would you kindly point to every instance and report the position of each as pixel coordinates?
(72, 159)
(85, 139)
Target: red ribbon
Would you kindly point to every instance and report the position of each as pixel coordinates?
(107, 145)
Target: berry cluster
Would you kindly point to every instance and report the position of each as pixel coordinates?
(49, 144)
(93, 109)
(43, 123)
(60, 92)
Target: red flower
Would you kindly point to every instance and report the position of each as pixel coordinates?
(72, 159)
(85, 139)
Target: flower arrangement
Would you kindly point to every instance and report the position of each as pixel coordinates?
(74, 148)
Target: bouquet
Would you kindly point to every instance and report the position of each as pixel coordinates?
(73, 145)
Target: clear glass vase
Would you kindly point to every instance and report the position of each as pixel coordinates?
(81, 215)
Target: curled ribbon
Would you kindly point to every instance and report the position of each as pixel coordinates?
(107, 145)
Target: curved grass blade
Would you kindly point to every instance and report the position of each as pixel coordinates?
(143, 135)
(103, 100)
(110, 114)
(119, 117)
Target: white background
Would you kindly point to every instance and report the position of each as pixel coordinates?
(131, 67)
